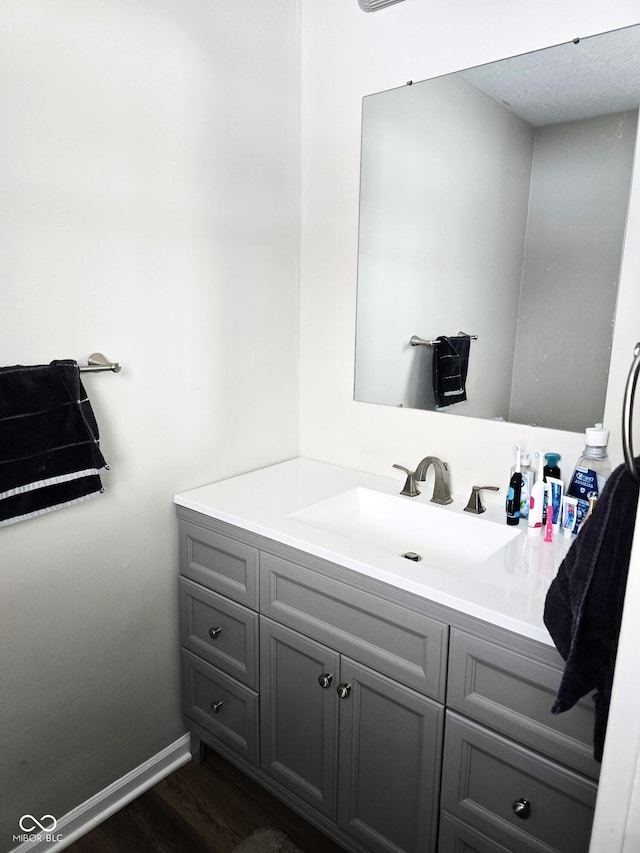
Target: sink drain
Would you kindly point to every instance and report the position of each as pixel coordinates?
(411, 555)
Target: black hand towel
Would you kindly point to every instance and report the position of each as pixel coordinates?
(583, 607)
(450, 364)
(49, 451)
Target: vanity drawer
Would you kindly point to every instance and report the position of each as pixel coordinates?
(456, 837)
(219, 563)
(396, 641)
(486, 775)
(513, 693)
(222, 632)
(221, 705)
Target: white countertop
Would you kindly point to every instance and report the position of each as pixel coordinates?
(507, 590)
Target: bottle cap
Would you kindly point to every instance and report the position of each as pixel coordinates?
(552, 459)
(597, 436)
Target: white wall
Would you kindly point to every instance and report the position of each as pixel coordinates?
(149, 207)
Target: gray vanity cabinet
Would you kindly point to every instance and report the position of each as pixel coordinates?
(390, 722)
(362, 749)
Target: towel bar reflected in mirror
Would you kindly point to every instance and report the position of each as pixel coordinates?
(419, 342)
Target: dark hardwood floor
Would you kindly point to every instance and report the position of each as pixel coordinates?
(207, 807)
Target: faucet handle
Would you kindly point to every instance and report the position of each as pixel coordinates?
(474, 504)
(410, 489)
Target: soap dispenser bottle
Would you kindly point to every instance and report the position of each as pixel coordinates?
(591, 471)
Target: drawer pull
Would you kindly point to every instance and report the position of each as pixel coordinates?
(325, 680)
(521, 808)
(343, 690)
(214, 633)
(215, 706)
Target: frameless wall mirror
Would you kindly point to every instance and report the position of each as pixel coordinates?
(494, 201)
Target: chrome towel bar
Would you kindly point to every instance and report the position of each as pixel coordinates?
(627, 415)
(97, 363)
(419, 342)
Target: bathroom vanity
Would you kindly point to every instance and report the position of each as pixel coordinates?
(397, 705)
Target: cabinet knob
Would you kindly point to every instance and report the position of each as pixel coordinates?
(214, 633)
(215, 706)
(325, 680)
(343, 690)
(521, 808)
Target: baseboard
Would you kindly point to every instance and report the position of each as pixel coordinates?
(93, 811)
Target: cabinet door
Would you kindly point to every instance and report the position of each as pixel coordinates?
(299, 714)
(390, 758)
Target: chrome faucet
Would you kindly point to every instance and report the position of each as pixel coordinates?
(441, 490)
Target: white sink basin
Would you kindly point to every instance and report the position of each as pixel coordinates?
(397, 525)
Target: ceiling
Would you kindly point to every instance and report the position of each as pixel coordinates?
(592, 76)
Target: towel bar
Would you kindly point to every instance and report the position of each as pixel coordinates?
(627, 415)
(419, 342)
(97, 363)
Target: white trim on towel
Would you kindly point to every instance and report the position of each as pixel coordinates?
(50, 481)
(46, 509)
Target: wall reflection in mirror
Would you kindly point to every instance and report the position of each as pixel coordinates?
(494, 201)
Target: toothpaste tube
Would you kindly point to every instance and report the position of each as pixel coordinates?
(555, 503)
(569, 515)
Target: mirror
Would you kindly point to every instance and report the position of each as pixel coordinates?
(493, 202)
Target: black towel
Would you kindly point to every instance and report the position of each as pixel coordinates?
(450, 365)
(583, 607)
(49, 451)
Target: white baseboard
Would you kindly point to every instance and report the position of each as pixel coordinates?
(93, 811)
